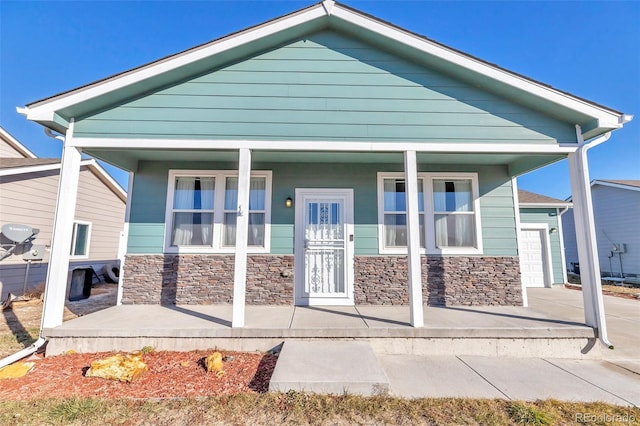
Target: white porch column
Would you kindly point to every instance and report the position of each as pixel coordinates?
(586, 241)
(413, 239)
(242, 232)
(57, 274)
(124, 238)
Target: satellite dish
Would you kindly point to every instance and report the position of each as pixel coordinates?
(18, 233)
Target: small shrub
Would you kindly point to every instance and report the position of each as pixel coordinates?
(148, 350)
(525, 414)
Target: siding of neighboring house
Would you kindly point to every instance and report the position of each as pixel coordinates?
(146, 229)
(30, 199)
(326, 87)
(616, 220)
(550, 217)
(7, 151)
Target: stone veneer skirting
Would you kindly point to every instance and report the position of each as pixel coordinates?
(192, 279)
(446, 281)
(379, 280)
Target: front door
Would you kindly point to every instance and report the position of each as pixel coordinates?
(324, 247)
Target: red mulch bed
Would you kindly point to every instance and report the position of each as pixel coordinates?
(63, 377)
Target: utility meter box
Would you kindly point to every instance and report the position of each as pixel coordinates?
(36, 253)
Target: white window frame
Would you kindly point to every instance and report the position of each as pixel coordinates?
(218, 212)
(427, 179)
(74, 237)
(382, 249)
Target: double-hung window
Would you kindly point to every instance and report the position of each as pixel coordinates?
(448, 211)
(394, 207)
(257, 211)
(202, 211)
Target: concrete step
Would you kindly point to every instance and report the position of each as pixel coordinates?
(330, 367)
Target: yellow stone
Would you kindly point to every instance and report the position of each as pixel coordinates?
(16, 370)
(124, 368)
(213, 362)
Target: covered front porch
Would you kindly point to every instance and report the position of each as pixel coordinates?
(489, 330)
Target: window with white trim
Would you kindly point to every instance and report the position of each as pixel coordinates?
(395, 212)
(454, 215)
(448, 211)
(257, 211)
(80, 239)
(201, 211)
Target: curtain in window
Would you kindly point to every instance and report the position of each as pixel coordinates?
(440, 205)
(183, 198)
(453, 227)
(207, 194)
(257, 196)
(257, 193)
(395, 225)
(463, 222)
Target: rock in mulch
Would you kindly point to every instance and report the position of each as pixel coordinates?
(16, 370)
(124, 368)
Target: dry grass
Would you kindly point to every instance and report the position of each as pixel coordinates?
(299, 408)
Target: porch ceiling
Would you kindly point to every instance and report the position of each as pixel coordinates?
(517, 163)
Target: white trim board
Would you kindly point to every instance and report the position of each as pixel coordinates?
(337, 146)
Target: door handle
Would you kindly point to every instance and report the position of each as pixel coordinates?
(351, 238)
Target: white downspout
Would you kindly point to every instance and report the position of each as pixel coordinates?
(41, 340)
(586, 236)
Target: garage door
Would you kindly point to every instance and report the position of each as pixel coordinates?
(532, 258)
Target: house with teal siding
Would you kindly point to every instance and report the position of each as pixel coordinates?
(325, 157)
(542, 253)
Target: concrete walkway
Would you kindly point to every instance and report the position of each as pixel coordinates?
(614, 379)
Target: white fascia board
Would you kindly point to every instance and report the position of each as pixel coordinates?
(615, 185)
(16, 144)
(45, 109)
(28, 169)
(606, 117)
(40, 168)
(337, 146)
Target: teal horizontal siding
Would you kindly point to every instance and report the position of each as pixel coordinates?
(325, 87)
(548, 216)
(150, 188)
(145, 238)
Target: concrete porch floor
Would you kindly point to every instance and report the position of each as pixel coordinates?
(487, 330)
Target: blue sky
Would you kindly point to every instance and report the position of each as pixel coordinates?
(588, 48)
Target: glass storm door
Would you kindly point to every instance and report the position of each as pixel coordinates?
(324, 235)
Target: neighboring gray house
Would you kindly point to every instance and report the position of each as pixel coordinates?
(28, 191)
(616, 210)
(541, 243)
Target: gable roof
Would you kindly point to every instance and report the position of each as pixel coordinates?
(15, 144)
(18, 166)
(531, 199)
(630, 184)
(14, 163)
(55, 112)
